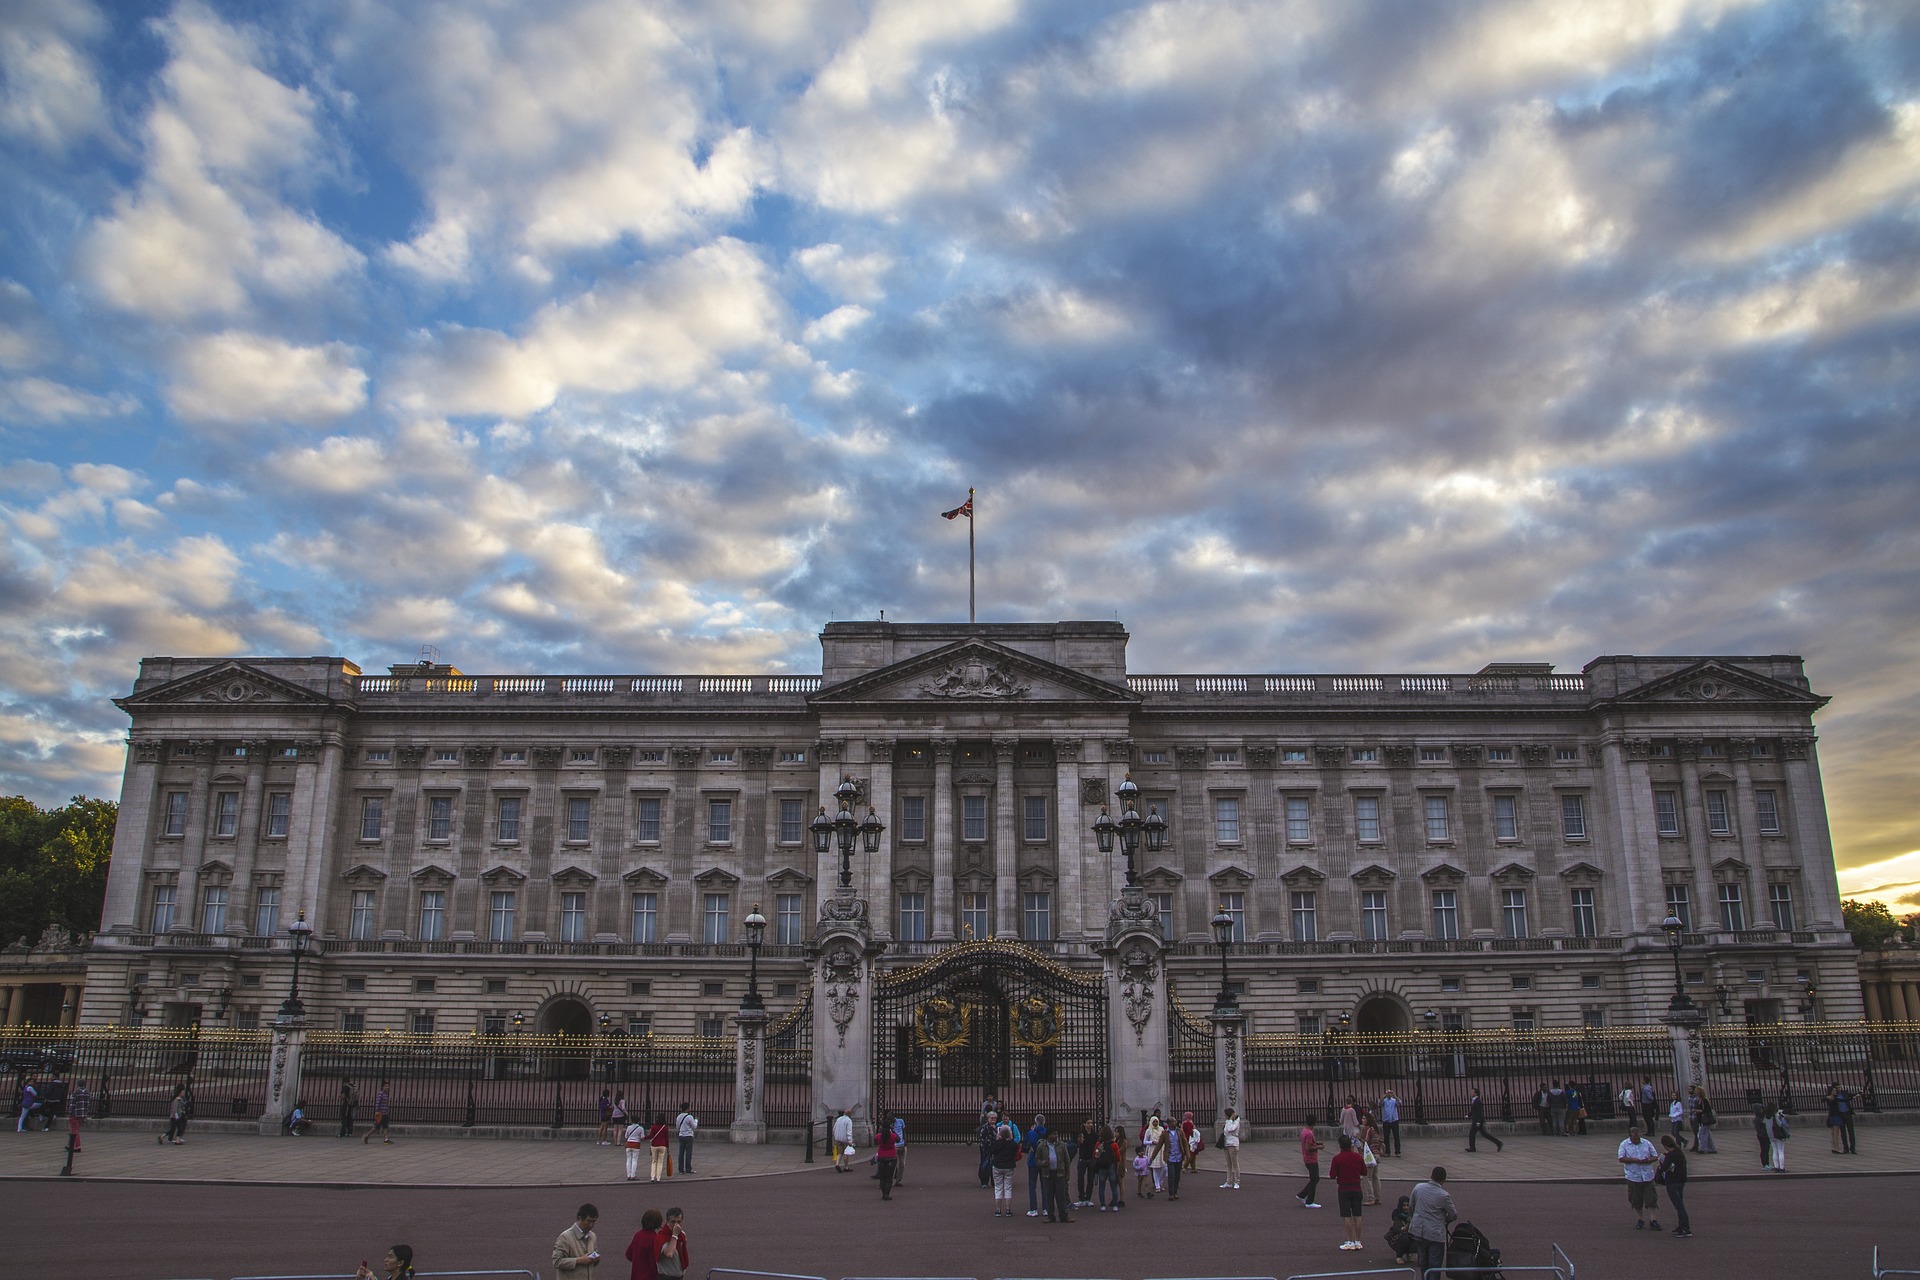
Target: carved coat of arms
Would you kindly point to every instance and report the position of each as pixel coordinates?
(942, 1024)
(974, 677)
(1036, 1025)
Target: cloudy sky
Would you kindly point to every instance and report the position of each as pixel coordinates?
(586, 336)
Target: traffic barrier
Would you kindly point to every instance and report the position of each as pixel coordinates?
(1560, 1267)
(1879, 1270)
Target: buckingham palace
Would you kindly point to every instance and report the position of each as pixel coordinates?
(570, 852)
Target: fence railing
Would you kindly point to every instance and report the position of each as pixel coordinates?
(135, 1073)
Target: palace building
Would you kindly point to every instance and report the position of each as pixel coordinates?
(1489, 850)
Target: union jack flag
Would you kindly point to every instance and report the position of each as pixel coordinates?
(964, 509)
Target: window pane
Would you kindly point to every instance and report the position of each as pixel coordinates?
(1585, 919)
(1235, 905)
(226, 813)
(1573, 817)
(976, 919)
(266, 911)
(1299, 820)
(1163, 907)
(1718, 820)
(1305, 924)
(1513, 912)
(1733, 912)
(279, 810)
(1373, 915)
(913, 819)
(163, 905)
(719, 821)
(360, 918)
(1034, 809)
(1680, 906)
(500, 916)
(792, 825)
(371, 808)
(1436, 809)
(433, 915)
(1366, 818)
(213, 909)
(973, 817)
(439, 817)
(715, 916)
(1446, 914)
(1505, 825)
(1666, 812)
(788, 920)
(1767, 807)
(1780, 900)
(913, 917)
(1038, 915)
(176, 820)
(579, 818)
(573, 917)
(646, 821)
(646, 908)
(1226, 820)
(509, 827)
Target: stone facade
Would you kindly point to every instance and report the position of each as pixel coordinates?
(1496, 847)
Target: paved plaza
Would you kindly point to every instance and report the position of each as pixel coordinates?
(229, 1205)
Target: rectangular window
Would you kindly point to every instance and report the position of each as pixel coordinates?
(266, 911)
(1294, 755)
(1373, 915)
(714, 917)
(443, 756)
(509, 819)
(1566, 755)
(1366, 755)
(723, 757)
(1780, 901)
(793, 822)
(579, 819)
(500, 910)
(913, 917)
(640, 1025)
(1235, 905)
(1307, 1024)
(213, 909)
(1037, 917)
(1506, 821)
(1306, 927)
(1163, 908)
(1033, 812)
(1153, 755)
(573, 917)
(650, 755)
(360, 916)
(646, 820)
(712, 1028)
(1522, 982)
(372, 811)
(1666, 812)
(1226, 820)
(1523, 1020)
(1226, 755)
(379, 755)
(1513, 912)
(1446, 914)
(719, 821)
(1499, 755)
(973, 818)
(581, 755)
(164, 899)
(425, 984)
(279, 814)
(976, 918)
(1573, 817)
(1733, 910)
(439, 817)
(433, 915)
(1719, 817)
(1433, 755)
(514, 755)
(788, 920)
(1299, 820)
(646, 917)
(913, 819)
(353, 1023)
(1590, 981)
(1586, 921)
(1437, 825)
(793, 757)
(423, 1024)
(1766, 806)
(1680, 906)
(226, 813)
(1366, 819)
(1594, 1019)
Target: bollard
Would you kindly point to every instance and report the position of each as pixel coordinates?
(810, 1124)
(73, 1145)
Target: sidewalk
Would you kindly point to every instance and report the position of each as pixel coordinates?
(469, 1162)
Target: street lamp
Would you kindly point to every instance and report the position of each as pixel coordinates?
(847, 828)
(1808, 1006)
(301, 932)
(1680, 1003)
(1427, 1020)
(1130, 827)
(756, 931)
(1223, 934)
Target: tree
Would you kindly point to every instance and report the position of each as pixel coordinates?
(53, 865)
(1871, 924)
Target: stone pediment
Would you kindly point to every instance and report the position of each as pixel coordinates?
(231, 684)
(1513, 871)
(363, 873)
(789, 875)
(1374, 873)
(572, 872)
(974, 671)
(1712, 682)
(431, 872)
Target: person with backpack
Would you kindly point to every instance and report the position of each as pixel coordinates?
(685, 1126)
(1036, 1186)
(1778, 1131)
(1762, 1129)
(1432, 1213)
(1703, 1122)
(1003, 1153)
(1108, 1158)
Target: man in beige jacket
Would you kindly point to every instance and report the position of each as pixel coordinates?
(576, 1252)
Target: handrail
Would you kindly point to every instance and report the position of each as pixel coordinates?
(764, 1275)
(1329, 1275)
(518, 1271)
(1561, 1268)
(1878, 1271)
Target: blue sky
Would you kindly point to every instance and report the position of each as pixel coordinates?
(586, 336)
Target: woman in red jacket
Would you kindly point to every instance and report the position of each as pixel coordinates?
(643, 1251)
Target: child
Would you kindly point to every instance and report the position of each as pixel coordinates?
(1140, 1172)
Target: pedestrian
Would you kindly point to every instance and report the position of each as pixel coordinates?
(983, 1138)
(1176, 1160)
(382, 1116)
(673, 1245)
(1672, 1174)
(1107, 1161)
(1640, 1159)
(349, 1099)
(1833, 1116)
(1003, 1153)
(1142, 1171)
(886, 1153)
(686, 1125)
(1036, 1188)
(1390, 1122)
(600, 1138)
(636, 1140)
(1159, 1151)
(899, 1151)
(1778, 1131)
(620, 1116)
(29, 1106)
(1056, 1159)
(1576, 1110)
(1762, 1129)
(1370, 1154)
(657, 1136)
(77, 1108)
(297, 1121)
(1433, 1213)
(1399, 1234)
(1677, 1116)
(1704, 1119)
(1477, 1123)
(1540, 1111)
(176, 1117)
(1350, 1121)
(842, 1140)
(1628, 1100)
(1348, 1170)
(643, 1251)
(1087, 1149)
(397, 1265)
(576, 1250)
(1849, 1144)
(1557, 1109)
(1191, 1142)
(1647, 1104)
(1230, 1148)
(1308, 1196)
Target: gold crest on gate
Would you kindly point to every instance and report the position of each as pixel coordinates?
(942, 1024)
(1036, 1025)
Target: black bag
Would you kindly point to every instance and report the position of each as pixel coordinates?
(1468, 1246)
(1401, 1241)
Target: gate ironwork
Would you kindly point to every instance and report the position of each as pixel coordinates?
(1190, 1079)
(988, 1017)
(788, 1093)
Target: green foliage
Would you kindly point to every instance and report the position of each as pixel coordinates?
(53, 865)
(1871, 924)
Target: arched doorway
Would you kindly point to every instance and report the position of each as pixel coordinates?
(568, 1017)
(1382, 1015)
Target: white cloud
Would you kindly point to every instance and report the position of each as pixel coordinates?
(237, 377)
(49, 89)
(43, 400)
(856, 276)
(836, 324)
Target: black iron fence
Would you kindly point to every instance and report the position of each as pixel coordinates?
(1190, 1080)
(788, 1101)
(135, 1072)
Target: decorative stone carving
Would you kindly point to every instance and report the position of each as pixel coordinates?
(833, 750)
(1330, 757)
(545, 757)
(478, 757)
(1399, 757)
(1740, 748)
(1066, 750)
(880, 750)
(235, 691)
(1131, 913)
(756, 757)
(1639, 748)
(1004, 748)
(309, 749)
(616, 757)
(1190, 756)
(1596, 754)
(974, 677)
(1535, 754)
(410, 755)
(687, 757)
(1093, 791)
(1467, 754)
(1261, 757)
(1138, 969)
(148, 750)
(1689, 748)
(1795, 748)
(848, 911)
(842, 987)
(1120, 750)
(943, 750)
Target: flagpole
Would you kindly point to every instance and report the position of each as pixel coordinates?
(972, 516)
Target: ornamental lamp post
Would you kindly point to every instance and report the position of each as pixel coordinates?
(1680, 1003)
(1130, 827)
(1223, 934)
(847, 828)
(756, 926)
(1427, 1020)
(301, 932)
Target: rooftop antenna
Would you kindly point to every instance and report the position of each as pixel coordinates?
(429, 655)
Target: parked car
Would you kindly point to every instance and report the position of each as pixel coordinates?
(31, 1059)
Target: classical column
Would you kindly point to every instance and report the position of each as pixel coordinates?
(132, 834)
(1006, 843)
(1912, 990)
(1689, 1047)
(843, 951)
(749, 1076)
(316, 778)
(283, 1072)
(1897, 996)
(945, 926)
(1229, 1065)
(880, 796)
(246, 848)
(1137, 1009)
(1870, 990)
(1075, 919)
(12, 1001)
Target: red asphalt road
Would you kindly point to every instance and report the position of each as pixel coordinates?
(940, 1224)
